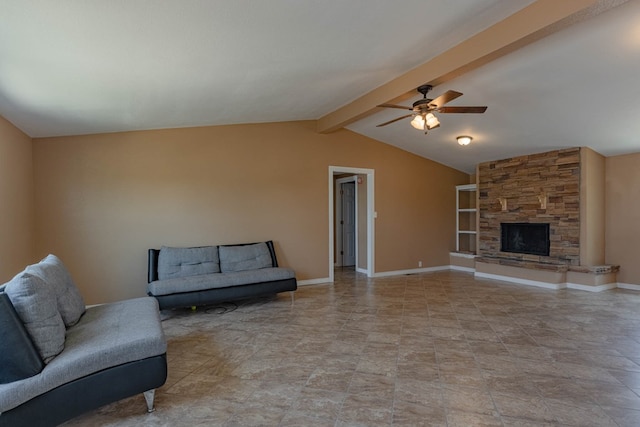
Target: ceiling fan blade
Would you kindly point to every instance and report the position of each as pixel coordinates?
(395, 106)
(447, 110)
(394, 120)
(448, 96)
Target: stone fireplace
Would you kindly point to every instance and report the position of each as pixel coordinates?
(509, 191)
(541, 219)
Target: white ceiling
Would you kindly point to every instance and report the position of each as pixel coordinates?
(578, 87)
(90, 66)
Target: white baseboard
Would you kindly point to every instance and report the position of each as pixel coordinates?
(556, 286)
(466, 269)
(324, 280)
(588, 288)
(362, 270)
(517, 280)
(628, 286)
(411, 271)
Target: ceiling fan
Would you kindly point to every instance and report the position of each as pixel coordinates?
(423, 109)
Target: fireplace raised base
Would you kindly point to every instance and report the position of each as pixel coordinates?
(551, 276)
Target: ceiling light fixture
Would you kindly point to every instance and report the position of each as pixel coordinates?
(418, 122)
(432, 121)
(464, 140)
(425, 121)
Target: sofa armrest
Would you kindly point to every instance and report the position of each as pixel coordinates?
(272, 251)
(152, 265)
(19, 358)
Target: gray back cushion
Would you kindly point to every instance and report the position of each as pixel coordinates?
(36, 305)
(70, 303)
(247, 257)
(183, 262)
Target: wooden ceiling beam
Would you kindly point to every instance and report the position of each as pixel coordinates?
(533, 22)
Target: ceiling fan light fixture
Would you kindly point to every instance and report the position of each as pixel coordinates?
(418, 122)
(464, 140)
(431, 121)
(422, 110)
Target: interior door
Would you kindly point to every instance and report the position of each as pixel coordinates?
(348, 224)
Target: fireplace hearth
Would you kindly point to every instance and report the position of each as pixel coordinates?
(524, 238)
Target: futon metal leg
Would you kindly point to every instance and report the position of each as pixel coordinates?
(292, 298)
(149, 395)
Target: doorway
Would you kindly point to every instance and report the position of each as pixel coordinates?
(363, 244)
(346, 222)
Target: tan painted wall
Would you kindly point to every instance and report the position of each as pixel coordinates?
(622, 215)
(102, 200)
(592, 207)
(16, 201)
(416, 213)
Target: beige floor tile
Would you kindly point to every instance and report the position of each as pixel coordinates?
(464, 399)
(467, 419)
(438, 349)
(410, 415)
(330, 379)
(583, 414)
(374, 386)
(320, 404)
(367, 411)
(623, 417)
(531, 408)
(423, 393)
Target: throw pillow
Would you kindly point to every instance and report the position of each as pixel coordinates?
(245, 257)
(69, 301)
(35, 303)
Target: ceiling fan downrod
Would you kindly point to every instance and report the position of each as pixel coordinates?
(424, 89)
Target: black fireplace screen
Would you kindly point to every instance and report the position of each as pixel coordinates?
(524, 238)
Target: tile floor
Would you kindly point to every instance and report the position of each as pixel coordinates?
(441, 349)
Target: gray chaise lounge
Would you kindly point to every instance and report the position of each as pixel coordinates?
(59, 360)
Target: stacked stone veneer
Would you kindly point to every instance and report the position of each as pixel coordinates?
(520, 180)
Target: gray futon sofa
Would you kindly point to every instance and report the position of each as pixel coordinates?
(59, 359)
(183, 277)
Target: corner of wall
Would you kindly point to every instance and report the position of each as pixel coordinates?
(592, 207)
(17, 200)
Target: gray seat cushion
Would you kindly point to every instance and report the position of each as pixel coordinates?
(218, 280)
(182, 262)
(107, 335)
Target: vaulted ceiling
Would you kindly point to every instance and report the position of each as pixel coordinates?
(553, 74)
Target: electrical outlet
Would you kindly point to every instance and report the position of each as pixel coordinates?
(419, 263)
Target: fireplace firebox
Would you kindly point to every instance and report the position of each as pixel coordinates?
(524, 238)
